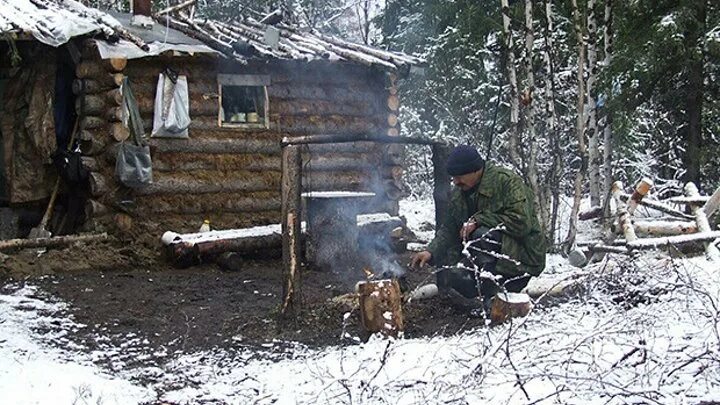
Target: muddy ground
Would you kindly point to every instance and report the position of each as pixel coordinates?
(118, 289)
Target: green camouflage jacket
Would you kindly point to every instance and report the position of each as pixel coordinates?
(501, 198)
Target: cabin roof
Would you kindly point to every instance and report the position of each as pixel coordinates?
(55, 22)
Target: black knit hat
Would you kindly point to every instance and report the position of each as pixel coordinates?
(464, 159)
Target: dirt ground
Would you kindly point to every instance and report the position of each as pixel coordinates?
(119, 289)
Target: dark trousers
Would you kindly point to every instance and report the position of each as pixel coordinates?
(484, 244)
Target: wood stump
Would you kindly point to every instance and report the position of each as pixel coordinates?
(380, 307)
(509, 305)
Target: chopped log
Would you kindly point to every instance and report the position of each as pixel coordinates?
(114, 114)
(115, 65)
(664, 228)
(689, 200)
(57, 241)
(184, 254)
(119, 132)
(394, 132)
(659, 206)
(392, 120)
(393, 103)
(441, 182)
(177, 7)
(509, 305)
(678, 240)
(702, 222)
(98, 184)
(291, 217)
(641, 190)
(622, 213)
(712, 204)
(98, 104)
(94, 209)
(381, 307)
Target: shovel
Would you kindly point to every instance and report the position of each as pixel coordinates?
(41, 231)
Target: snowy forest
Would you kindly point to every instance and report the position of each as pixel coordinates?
(574, 95)
(587, 100)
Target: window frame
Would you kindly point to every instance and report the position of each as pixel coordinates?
(248, 80)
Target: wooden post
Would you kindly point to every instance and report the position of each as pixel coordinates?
(441, 182)
(711, 251)
(623, 214)
(291, 215)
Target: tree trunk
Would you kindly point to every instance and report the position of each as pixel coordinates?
(607, 118)
(514, 135)
(532, 172)
(592, 130)
(580, 128)
(702, 222)
(624, 217)
(554, 175)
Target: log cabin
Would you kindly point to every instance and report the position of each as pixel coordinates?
(249, 85)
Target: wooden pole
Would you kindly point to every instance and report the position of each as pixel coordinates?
(50, 242)
(441, 182)
(711, 251)
(291, 216)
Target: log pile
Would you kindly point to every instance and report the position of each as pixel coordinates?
(681, 230)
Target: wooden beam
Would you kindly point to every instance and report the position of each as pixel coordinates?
(359, 137)
(291, 232)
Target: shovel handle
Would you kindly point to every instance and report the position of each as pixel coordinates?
(51, 204)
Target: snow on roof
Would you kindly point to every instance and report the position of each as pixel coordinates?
(55, 22)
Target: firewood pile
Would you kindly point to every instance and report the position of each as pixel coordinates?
(688, 223)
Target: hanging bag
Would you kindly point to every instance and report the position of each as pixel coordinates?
(171, 116)
(133, 166)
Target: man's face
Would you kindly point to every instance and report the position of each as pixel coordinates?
(467, 181)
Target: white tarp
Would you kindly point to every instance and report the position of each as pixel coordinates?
(128, 50)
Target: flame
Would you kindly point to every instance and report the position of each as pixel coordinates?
(368, 273)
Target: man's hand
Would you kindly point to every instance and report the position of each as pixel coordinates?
(420, 259)
(468, 228)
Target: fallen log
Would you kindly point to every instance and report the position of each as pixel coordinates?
(664, 228)
(50, 242)
(659, 206)
(653, 243)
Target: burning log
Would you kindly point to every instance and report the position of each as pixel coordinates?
(509, 305)
(380, 307)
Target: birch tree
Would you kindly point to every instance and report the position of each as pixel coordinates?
(514, 132)
(551, 194)
(607, 118)
(591, 108)
(580, 126)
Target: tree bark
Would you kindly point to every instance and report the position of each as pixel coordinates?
(607, 117)
(291, 233)
(514, 132)
(580, 128)
(591, 108)
(552, 193)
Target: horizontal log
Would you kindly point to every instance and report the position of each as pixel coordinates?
(92, 145)
(90, 163)
(338, 94)
(197, 86)
(659, 206)
(185, 253)
(99, 185)
(88, 69)
(654, 243)
(94, 209)
(170, 162)
(349, 147)
(211, 182)
(92, 122)
(119, 132)
(115, 65)
(215, 145)
(198, 105)
(57, 241)
(98, 104)
(654, 228)
(218, 220)
(324, 124)
(322, 107)
(208, 204)
(97, 84)
(190, 67)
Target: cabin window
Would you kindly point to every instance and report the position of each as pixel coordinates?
(243, 101)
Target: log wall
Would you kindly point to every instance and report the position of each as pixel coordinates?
(230, 175)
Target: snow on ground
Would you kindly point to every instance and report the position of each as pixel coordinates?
(641, 332)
